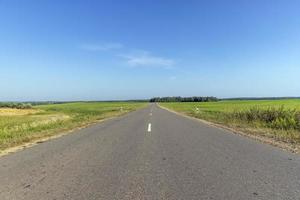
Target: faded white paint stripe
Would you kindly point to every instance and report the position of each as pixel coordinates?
(149, 127)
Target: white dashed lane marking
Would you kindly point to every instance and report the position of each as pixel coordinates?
(149, 127)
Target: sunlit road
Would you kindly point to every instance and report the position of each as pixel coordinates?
(150, 154)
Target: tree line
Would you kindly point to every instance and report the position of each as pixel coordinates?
(260, 98)
(15, 105)
(183, 99)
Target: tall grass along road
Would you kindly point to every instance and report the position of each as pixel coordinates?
(22, 123)
(275, 119)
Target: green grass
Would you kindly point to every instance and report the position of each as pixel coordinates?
(278, 119)
(51, 119)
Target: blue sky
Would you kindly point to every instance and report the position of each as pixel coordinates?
(101, 50)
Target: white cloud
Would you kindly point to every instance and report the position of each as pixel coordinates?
(146, 59)
(102, 47)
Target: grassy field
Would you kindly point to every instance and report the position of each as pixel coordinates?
(19, 126)
(278, 119)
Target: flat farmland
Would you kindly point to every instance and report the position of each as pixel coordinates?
(18, 126)
(277, 119)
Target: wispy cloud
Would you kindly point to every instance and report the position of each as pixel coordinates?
(135, 58)
(146, 59)
(101, 47)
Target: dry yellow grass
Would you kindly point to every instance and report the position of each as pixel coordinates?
(47, 119)
(19, 126)
(17, 112)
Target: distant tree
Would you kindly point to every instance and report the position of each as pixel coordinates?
(183, 99)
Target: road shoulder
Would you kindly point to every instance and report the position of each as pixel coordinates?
(266, 140)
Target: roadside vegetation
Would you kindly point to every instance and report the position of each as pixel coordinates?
(21, 125)
(277, 119)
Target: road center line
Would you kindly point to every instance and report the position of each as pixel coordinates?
(149, 127)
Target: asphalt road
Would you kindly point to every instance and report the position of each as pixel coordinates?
(175, 158)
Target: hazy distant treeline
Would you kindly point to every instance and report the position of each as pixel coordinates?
(15, 105)
(183, 99)
(260, 98)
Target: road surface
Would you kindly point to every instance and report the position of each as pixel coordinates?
(150, 154)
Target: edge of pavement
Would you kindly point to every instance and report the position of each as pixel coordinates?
(59, 134)
(266, 140)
